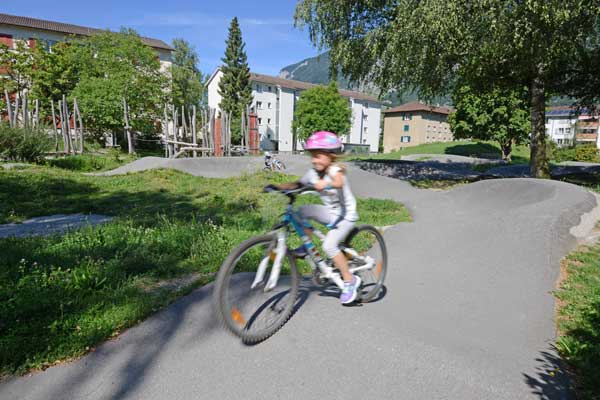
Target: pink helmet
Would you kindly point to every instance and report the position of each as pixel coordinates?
(325, 141)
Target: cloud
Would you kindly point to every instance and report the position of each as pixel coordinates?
(178, 19)
(182, 19)
(271, 21)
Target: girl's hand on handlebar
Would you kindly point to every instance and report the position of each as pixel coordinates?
(320, 185)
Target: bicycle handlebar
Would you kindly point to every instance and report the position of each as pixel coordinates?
(291, 193)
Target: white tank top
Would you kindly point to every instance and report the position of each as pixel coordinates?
(340, 202)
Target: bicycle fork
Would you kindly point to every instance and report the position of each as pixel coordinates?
(279, 252)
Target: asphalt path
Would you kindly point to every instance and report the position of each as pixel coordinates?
(467, 312)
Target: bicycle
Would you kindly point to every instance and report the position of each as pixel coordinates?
(274, 165)
(271, 302)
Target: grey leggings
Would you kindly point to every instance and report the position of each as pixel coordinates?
(335, 236)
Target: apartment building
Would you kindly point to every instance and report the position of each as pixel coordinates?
(32, 30)
(565, 125)
(274, 101)
(415, 123)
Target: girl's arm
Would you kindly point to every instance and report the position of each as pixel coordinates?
(337, 182)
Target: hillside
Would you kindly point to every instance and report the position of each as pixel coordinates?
(316, 70)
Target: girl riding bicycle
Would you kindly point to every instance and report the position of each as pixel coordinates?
(339, 209)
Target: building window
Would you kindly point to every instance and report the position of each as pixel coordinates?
(559, 141)
(260, 121)
(406, 128)
(269, 106)
(269, 88)
(405, 139)
(561, 131)
(6, 40)
(259, 105)
(406, 117)
(269, 119)
(365, 117)
(568, 131)
(365, 129)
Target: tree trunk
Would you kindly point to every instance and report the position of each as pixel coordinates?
(506, 148)
(538, 164)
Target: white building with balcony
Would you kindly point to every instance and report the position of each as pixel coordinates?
(274, 100)
(565, 126)
(28, 30)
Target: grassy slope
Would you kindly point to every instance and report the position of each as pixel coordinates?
(60, 295)
(579, 319)
(462, 148)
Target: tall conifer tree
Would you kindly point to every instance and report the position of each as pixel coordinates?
(234, 87)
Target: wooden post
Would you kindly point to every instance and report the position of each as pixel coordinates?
(229, 135)
(54, 125)
(9, 108)
(253, 135)
(16, 111)
(130, 145)
(175, 130)
(217, 137)
(76, 141)
(68, 125)
(165, 129)
(25, 111)
(209, 127)
(194, 135)
(62, 127)
(77, 114)
(183, 123)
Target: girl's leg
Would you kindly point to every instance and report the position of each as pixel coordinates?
(331, 246)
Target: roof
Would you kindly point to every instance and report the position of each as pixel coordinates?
(293, 84)
(52, 26)
(418, 106)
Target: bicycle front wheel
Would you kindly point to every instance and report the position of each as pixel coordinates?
(250, 312)
(368, 242)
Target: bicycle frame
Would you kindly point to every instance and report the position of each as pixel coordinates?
(300, 226)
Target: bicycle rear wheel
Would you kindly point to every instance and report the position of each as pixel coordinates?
(366, 240)
(252, 313)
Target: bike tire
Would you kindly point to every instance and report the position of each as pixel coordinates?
(228, 313)
(372, 281)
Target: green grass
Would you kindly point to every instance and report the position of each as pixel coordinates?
(466, 148)
(579, 319)
(61, 295)
(441, 184)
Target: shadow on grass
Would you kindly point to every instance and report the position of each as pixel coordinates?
(128, 362)
(482, 150)
(41, 195)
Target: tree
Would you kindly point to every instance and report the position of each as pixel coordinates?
(187, 78)
(16, 66)
(433, 45)
(499, 115)
(234, 87)
(322, 108)
(113, 66)
(55, 73)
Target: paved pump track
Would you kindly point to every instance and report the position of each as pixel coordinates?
(468, 311)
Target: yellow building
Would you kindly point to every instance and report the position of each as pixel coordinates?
(415, 123)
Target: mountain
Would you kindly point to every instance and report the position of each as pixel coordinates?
(316, 70)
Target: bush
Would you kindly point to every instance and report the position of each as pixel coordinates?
(23, 144)
(584, 153)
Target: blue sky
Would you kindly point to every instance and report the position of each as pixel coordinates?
(272, 42)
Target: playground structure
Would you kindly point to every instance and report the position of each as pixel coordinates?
(186, 131)
(214, 136)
